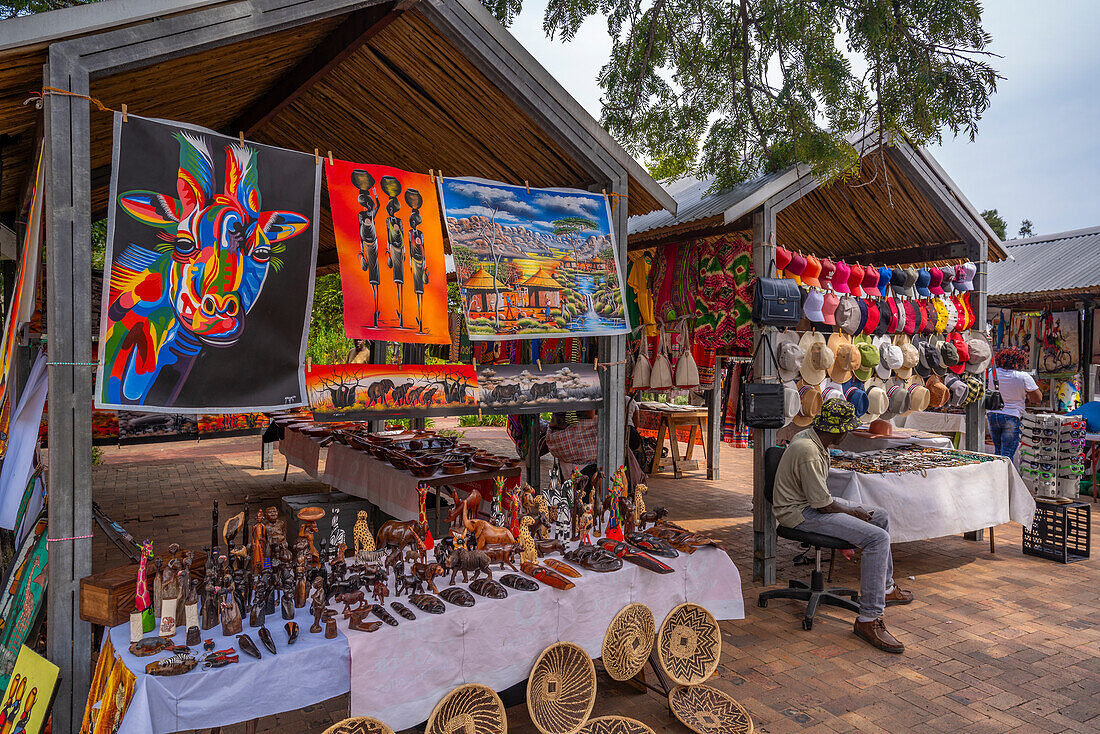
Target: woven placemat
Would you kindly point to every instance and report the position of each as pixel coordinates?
(359, 725)
(628, 641)
(615, 725)
(707, 710)
(562, 689)
(468, 709)
(689, 644)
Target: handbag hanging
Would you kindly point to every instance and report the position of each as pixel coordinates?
(993, 398)
(660, 376)
(639, 379)
(687, 372)
(776, 302)
(762, 403)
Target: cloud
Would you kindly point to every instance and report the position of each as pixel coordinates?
(502, 217)
(502, 199)
(581, 206)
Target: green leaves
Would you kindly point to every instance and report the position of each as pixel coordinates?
(734, 88)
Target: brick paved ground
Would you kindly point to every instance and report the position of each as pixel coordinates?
(996, 643)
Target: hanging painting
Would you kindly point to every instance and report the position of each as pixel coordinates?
(1059, 349)
(390, 243)
(29, 695)
(1023, 326)
(135, 426)
(1000, 324)
(355, 392)
(211, 249)
(22, 596)
(533, 262)
(532, 388)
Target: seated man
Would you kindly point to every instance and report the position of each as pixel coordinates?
(801, 500)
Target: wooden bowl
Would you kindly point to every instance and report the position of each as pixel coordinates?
(453, 467)
(486, 464)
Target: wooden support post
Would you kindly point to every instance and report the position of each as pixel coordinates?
(975, 413)
(714, 422)
(267, 455)
(531, 425)
(763, 520)
(68, 252)
(612, 416)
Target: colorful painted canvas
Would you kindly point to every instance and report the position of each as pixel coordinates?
(389, 239)
(350, 392)
(22, 596)
(530, 388)
(1023, 333)
(532, 263)
(1060, 350)
(29, 695)
(211, 250)
(132, 425)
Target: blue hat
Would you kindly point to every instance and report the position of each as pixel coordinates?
(863, 314)
(884, 276)
(857, 396)
(923, 279)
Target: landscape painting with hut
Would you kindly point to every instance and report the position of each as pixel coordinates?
(533, 262)
(529, 388)
(349, 392)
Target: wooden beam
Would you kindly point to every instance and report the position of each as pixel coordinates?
(349, 36)
(714, 422)
(763, 519)
(611, 428)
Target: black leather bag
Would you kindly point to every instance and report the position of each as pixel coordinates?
(777, 302)
(993, 399)
(761, 403)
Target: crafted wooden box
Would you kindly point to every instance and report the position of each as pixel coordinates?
(107, 597)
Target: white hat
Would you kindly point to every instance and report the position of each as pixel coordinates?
(818, 357)
(890, 357)
(877, 399)
(952, 315)
(789, 355)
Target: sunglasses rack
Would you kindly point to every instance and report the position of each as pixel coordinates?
(1052, 453)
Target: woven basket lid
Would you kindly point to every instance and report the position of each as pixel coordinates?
(707, 710)
(689, 644)
(615, 725)
(359, 725)
(468, 709)
(628, 641)
(562, 689)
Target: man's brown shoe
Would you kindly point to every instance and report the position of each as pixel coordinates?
(898, 596)
(875, 632)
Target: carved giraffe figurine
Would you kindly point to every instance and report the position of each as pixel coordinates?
(639, 506)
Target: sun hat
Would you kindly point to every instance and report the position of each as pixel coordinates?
(809, 398)
(831, 389)
(975, 388)
(918, 398)
(856, 396)
(828, 308)
(789, 355)
(868, 358)
(910, 357)
(935, 281)
(949, 355)
(818, 357)
(840, 277)
(855, 279)
(811, 306)
(981, 354)
(958, 390)
(828, 267)
(870, 281)
(938, 394)
(782, 258)
(812, 270)
(923, 279)
(836, 416)
(929, 356)
(966, 283)
(791, 403)
(877, 399)
(846, 357)
(962, 349)
(847, 315)
(899, 401)
(890, 358)
(871, 322)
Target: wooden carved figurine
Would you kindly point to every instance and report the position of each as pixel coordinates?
(208, 610)
(427, 573)
(380, 591)
(639, 506)
(158, 584)
(274, 531)
(465, 561)
(259, 543)
(527, 553)
(318, 599)
(230, 614)
(361, 533)
(301, 583)
(496, 513)
(485, 532)
(400, 534)
(337, 537)
(472, 504)
(585, 525)
(309, 517)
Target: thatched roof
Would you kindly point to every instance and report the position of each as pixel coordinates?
(482, 281)
(541, 280)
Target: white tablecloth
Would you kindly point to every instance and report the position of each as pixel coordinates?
(301, 451)
(309, 671)
(399, 674)
(940, 502)
(859, 442)
(940, 422)
(361, 475)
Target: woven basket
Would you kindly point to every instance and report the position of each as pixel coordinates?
(359, 725)
(689, 644)
(468, 709)
(615, 725)
(562, 689)
(628, 641)
(707, 710)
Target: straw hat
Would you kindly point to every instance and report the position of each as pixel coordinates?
(629, 637)
(614, 725)
(846, 357)
(818, 358)
(473, 704)
(707, 710)
(877, 400)
(789, 355)
(359, 725)
(791, 401)
(919, 396)
(810, 401)
(562, 689)
(689, 644)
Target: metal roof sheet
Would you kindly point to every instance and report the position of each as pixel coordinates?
(693, 203)
(1051, 262)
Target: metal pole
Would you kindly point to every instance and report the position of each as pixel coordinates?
(612, 349)
(763, 520)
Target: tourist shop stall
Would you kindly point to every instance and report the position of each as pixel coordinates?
(226, 179)
(884, 274)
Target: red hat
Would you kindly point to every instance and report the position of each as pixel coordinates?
(870, 281)
(782, 258)
(813, 269)
(797, 265)
(872, 314)
(910, 318)
(964, 321)
(930, 317)
(827, 270)
(892, 304)
(935, 282)
(963, 349)
(828, 309)
(855, 279)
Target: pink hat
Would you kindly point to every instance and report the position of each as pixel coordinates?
(935, 282)
(840, 277)
(828, 308)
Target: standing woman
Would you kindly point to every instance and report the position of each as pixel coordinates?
(1017, 389)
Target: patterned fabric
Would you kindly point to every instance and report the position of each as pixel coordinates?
(723, 303)
(836, 416)
(732, 433)
(575, 444)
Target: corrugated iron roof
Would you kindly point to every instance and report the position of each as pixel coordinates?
(1051, 262)
(693, 203)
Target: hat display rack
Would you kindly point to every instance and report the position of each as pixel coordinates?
(891, 340)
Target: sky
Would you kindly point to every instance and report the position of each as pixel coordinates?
(1037, 153)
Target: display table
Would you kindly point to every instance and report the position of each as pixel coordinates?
(947, 423)
(937, 502)
(301, 451)
(861, 441)
(671, 418)
(393, 490)
(309, 671)
(401, 673)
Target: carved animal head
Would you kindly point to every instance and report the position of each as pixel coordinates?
(222, 242)
(362, 516)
